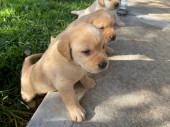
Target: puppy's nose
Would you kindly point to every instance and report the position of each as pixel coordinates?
(113, 37)
(102, 65)
(116, 5)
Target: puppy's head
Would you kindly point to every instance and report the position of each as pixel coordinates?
(85, 46)
(110, 4)
(104, 21)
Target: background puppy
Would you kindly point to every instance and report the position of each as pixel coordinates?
(110, 5)
(75, 51)
(102, 20)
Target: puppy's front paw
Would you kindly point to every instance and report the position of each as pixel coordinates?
(109, 51)
(89, 84)
(121, 24)
(77, 113)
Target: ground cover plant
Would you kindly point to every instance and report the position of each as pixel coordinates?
(26, 24)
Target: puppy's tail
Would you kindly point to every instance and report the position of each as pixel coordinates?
(77, 12)
(28, 60)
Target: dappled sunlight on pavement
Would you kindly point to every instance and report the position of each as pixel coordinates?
(131, 57)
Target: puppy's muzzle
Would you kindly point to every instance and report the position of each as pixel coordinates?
(113, 37)
(116, 5)
(103, 65)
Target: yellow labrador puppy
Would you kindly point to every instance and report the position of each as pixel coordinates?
(75, 52)
(110, 5)
(102, 20)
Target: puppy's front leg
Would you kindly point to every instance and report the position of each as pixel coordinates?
(109, 51)
(117, 20)
(87, 82)
(69, 97)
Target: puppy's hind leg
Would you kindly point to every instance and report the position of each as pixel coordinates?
(109, 51)
(27, 94)
(28, 98)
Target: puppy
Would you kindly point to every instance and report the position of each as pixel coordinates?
(102, 20)
(110, 5)
(76, 51)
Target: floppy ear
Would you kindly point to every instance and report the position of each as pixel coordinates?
(65, 49)
(101, 2)
(90, 20)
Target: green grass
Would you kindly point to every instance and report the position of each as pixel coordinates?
(26, 24)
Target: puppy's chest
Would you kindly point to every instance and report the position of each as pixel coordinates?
(74, 73)
(64, 71)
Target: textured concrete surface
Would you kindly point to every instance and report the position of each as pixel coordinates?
(51, 112)
(135, 90)
(154, 12)
(154, 8)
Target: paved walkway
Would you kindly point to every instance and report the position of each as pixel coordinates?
(135, 90)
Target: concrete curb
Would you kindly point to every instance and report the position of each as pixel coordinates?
(52, 111)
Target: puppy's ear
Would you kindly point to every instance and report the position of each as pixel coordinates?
(65, 49)
(90, 19)
(101, 2)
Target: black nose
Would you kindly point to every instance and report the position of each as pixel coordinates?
(102, 65)
(116, 5)
(113, 37)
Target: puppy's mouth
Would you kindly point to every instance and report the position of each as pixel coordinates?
(114, 8)
(101, 67)
(94, 70)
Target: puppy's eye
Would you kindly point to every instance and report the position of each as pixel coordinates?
(102, 28)
(87, 52)
(103, 46)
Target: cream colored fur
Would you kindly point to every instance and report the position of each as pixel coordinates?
(102, 4)
(103, 21)
(64, 63)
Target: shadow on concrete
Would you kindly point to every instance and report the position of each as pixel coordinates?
(135, 90)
